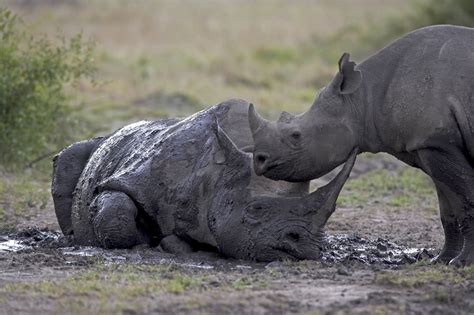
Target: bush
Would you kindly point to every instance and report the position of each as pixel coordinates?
(428, 12)
(363, 39)
(34, 113)
(457, 12)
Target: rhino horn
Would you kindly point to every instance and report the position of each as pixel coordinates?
(285, 117)
(323, 201)
(228, 148)
(255, 120)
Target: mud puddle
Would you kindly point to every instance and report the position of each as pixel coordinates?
(30, 238)
(340, 249)
(346, 248)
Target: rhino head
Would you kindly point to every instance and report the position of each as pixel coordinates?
(309, 145)
(264, 220)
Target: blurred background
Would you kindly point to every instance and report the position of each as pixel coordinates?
(74, 69)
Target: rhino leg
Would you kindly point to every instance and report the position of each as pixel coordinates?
(173, 244)
(115, 222)
(453, 239)
(452, 168)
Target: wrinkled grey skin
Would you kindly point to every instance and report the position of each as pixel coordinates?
(185, 185)
(413, 99)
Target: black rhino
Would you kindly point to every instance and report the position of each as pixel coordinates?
(185, 185)
(413, 99)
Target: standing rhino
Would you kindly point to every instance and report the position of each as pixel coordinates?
(413, 99)
(185, 185)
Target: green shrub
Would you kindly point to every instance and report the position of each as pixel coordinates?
(422, 13)
(34, 113)
(457, 12)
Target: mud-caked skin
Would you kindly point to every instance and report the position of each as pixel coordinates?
(185, 185)
(413, 99)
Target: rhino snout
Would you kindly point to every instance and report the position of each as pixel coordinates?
(261, 162)
(300, 244)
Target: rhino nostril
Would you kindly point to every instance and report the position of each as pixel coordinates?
(261, 158)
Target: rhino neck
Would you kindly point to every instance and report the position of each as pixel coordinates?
(367, 101)
(379, 80)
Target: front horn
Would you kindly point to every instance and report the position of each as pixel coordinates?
(255, 120)
(323, 200)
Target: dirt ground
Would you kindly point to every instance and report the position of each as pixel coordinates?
(376, 262)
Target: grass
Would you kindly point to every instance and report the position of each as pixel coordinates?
(112, 288)
(403, 187)
(261, 51)
(109, 288)
(22, 196)
(417, 277)
(171, 58)
(154, 64)
(438, 283)
(247, 282)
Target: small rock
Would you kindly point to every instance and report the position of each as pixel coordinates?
(409, 259)
(424, 254)
(381, 247)
(213, 280)
(343, 271)
(274, 264)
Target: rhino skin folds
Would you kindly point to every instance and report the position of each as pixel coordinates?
(188, 185)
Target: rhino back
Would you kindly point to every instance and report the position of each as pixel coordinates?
(117, 152)
(415, 85)
(163, 168)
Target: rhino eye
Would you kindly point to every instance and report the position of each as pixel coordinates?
(256, 209)
(296, 135)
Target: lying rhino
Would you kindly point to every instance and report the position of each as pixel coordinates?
(185, 185)
(413, 99)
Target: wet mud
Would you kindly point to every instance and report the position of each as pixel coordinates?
(376, 261)
(348, 279)
(339, 249)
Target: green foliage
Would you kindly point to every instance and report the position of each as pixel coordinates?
(34, 115)
(457, 12)
(21, 196)
(276, 54)
(422, 13)
(110, 288)
(404, 187)
(420, 277)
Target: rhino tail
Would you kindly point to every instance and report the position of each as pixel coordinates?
(67, 168)
(464, 124)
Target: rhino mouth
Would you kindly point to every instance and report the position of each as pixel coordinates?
(292, 253)
(298, 244)
(275, 172)
(269, 169)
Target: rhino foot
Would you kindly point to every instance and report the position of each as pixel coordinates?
(444, 257)
(466, 258)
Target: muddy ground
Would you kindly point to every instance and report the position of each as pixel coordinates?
(376, 262)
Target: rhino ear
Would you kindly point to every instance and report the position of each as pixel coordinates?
(225, 150)
(347, 80)
(285, 117)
